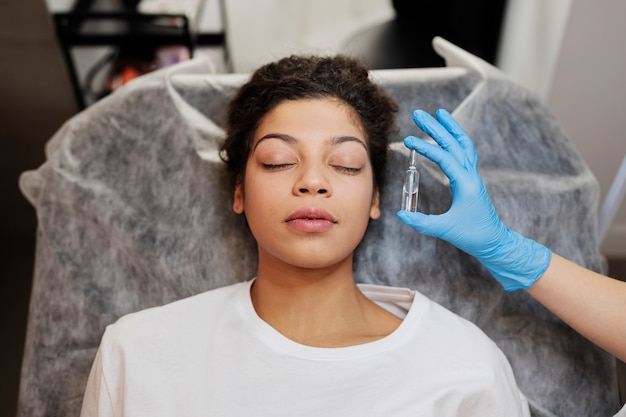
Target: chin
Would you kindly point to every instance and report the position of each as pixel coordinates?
(315, 260)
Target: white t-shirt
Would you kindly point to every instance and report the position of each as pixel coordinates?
(212, 355)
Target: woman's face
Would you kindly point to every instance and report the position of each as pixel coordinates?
(308, 190)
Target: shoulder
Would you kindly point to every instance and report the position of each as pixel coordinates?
(460, 348)
(176, 319)
(433, 324)
(450, 326)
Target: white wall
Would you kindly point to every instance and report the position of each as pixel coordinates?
(264, 30)
(531, 38)
(588, 95)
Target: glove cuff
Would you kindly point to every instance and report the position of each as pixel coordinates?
(519, 262)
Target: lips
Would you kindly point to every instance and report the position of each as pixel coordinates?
(310, 219)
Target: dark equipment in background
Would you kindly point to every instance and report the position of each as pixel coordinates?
(405, 41)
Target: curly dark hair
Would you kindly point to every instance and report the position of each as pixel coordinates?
(308, 77)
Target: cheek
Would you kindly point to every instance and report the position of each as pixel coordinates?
(361, 195)
(259, 193)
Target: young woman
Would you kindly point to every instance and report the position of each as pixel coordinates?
(306, 146)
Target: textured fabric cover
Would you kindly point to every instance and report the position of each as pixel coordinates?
(134, 210)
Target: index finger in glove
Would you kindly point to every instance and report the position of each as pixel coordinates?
(448, 164)
(440, 134)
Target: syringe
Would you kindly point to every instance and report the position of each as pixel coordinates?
(410, 187)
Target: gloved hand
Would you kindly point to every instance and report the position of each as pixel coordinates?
(471, 224)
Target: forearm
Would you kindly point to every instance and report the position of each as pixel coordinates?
(592, 304)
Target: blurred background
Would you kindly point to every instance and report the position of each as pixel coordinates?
(59, 56)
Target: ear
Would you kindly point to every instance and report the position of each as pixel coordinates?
(238, 199)
(375, 209)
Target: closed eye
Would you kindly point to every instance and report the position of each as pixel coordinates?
(274, 167)
(348, 170)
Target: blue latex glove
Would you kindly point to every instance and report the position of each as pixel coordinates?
(471, 224)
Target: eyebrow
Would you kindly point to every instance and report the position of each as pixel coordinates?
(336, 140)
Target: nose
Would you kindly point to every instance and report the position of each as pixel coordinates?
(312, 180)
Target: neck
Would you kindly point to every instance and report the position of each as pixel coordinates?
(318, 307)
